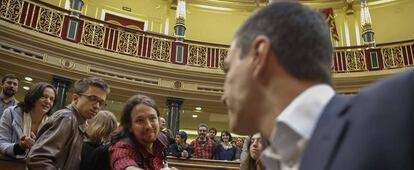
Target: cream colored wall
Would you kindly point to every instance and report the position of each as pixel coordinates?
(212, 25)
(391, 21)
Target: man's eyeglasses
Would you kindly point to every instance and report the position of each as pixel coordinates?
(95, 99)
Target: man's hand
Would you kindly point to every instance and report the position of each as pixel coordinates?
(184, 154)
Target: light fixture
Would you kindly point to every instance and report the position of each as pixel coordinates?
(195, 116)
(198, 108)
(26, 87)
(180, 9)
(28, 78)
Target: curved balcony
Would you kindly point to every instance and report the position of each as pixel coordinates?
(46, 40)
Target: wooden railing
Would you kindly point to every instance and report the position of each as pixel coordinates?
(202, 164)
(181, 164)
(57, 22)
(11, 164)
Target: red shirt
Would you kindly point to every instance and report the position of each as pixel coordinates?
(204, 150)
(122, 155)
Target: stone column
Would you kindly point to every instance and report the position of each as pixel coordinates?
(174, 106)
(62, 86)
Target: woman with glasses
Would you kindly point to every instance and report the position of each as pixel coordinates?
(20, 124)
(254, 148)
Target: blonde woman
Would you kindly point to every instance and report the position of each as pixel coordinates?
(98, 132)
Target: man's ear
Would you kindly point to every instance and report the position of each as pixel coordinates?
(75, 98)
(261, 47)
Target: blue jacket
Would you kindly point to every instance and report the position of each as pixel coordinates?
(11, 130)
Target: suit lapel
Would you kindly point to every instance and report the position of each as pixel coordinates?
(327, 135)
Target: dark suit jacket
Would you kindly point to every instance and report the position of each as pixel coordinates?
(371, 131)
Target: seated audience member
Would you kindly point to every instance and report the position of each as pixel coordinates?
(255, 148)
(10, 84)
(245, 150)
(225, 150)
(59, 143)
(20, 124)
(212, 132)
(239, 148)
(203, 147)
(180, 148)
(167, 132)
(97, 133)
(138, 143)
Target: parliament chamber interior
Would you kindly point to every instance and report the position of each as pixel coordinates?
(173, 52)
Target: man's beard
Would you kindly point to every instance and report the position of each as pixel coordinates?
(9, 92)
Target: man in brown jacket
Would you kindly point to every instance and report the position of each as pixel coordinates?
(60, 140)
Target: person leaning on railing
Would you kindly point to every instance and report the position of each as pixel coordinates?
(180, 148)
(254, 149)
(98, 133)
(138, 142)
(19, 125)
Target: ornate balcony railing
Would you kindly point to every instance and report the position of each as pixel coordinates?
(55, 21)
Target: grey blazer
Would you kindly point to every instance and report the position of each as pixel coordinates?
(11, 130)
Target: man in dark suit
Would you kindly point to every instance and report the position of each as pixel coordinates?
(278, 78)
(373, 131)
(278, 82)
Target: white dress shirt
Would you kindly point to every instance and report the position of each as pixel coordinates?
(294, 127)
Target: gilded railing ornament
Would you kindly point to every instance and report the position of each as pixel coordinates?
(11, 9)
(161, 50)
(355, 60)
(392, 57)
(50, 22)
(128, 43)
(222, 56)
(93, 34)
(197, 56)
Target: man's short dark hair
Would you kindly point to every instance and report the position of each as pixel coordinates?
(300, 39)
(183, 135)
(214, 129)
(82, 85)
(9, 76)
(203, 125)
